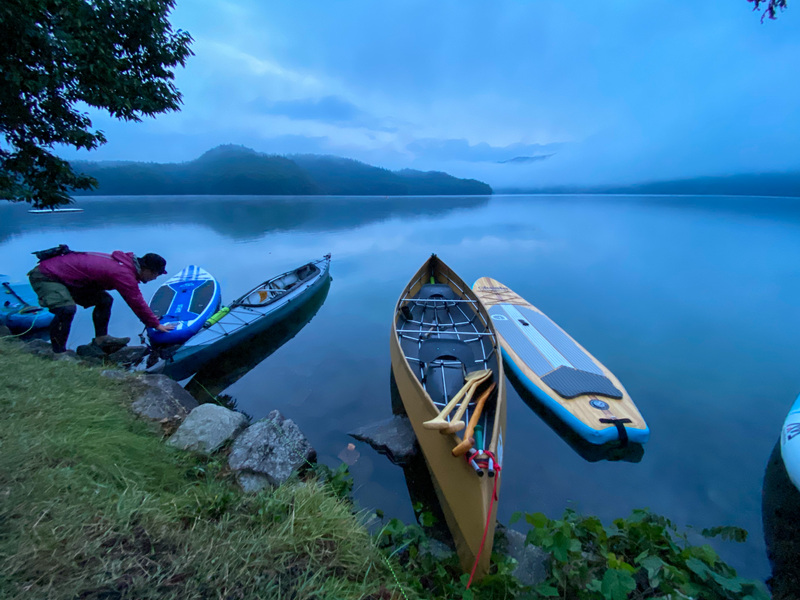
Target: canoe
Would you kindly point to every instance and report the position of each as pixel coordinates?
(558, 371)
(20, 310)
(790, 443)
(441, 333)
(186, 300)
(255, 311)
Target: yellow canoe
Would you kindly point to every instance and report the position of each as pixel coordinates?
(440, 334)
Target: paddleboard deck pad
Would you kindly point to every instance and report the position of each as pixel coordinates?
(186, 300)
(790, 443)
(558, 371)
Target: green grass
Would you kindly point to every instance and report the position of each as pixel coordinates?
(93, 504)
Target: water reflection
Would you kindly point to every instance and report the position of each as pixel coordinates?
(419, 483)
(780, 508)
(612, 451)
(229, 367)
(237, 217)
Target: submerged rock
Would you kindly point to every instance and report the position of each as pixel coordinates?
(392, 437)
(207, 428)
(271, 449)
(160, 398)
(531, 560)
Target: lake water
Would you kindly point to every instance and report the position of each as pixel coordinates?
(692, 302)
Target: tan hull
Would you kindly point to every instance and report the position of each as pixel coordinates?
(465, 498)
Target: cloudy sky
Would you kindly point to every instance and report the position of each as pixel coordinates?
(601, 92)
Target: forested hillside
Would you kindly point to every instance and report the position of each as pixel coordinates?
(236, 170)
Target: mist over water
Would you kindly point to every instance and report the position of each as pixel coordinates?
(691, 301)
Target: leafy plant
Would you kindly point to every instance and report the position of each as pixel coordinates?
(641, 557)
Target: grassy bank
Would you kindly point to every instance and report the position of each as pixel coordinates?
(93, 504)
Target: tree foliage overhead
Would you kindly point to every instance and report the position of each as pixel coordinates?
(772, 8)
(57, 57)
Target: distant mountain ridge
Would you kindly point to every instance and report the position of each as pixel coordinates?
(786, 184)
(237, 170)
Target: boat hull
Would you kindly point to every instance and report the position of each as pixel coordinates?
(534, 348)
(465, 498)
(228, 332)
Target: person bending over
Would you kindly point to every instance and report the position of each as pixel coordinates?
(82, 278)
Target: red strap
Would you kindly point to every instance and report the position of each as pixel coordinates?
(498, 468)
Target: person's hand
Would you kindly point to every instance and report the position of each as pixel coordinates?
(164, 328)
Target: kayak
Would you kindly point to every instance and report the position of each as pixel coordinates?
(186, 300)
(449, 375)
(231, 365)
(255, 311)
(790, 443)
(19, 308)
(559, 372)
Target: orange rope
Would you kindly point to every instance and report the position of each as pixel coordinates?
(498, 468)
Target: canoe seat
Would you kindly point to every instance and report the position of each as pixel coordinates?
(569, 383)
(436, 291)
(447, 349)
(446, 362)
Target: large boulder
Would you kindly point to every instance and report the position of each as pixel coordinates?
(159, 398)
(393, 437)
(269, 451)
(207, 428)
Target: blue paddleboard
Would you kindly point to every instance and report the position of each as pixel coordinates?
(186, 300)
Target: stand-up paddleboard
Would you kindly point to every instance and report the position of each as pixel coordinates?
(186, 300)
(558, 371)
(790, 443)
(52, 211)
(19, 308)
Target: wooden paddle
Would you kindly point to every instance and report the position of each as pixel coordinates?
(471, 380)
(468, 441)
(456, 424)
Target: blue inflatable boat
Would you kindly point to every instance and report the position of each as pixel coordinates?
(186, 300)
(19, 308)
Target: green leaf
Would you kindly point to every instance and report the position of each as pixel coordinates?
(732, 584)
(617, 585)
(727, 533)
(653, 566)
(699, 568)
(547, 591)
(538, 520)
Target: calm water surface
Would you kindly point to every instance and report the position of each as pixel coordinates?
(691, 302)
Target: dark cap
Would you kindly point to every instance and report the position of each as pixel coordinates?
(154, 263)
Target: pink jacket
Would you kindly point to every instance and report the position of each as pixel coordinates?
(115, 271)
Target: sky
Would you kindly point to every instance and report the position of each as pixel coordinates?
(580, 93)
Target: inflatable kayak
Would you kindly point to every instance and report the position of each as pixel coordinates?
(790, 443)
(19, 308)
(186, 300)
(558, 371)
